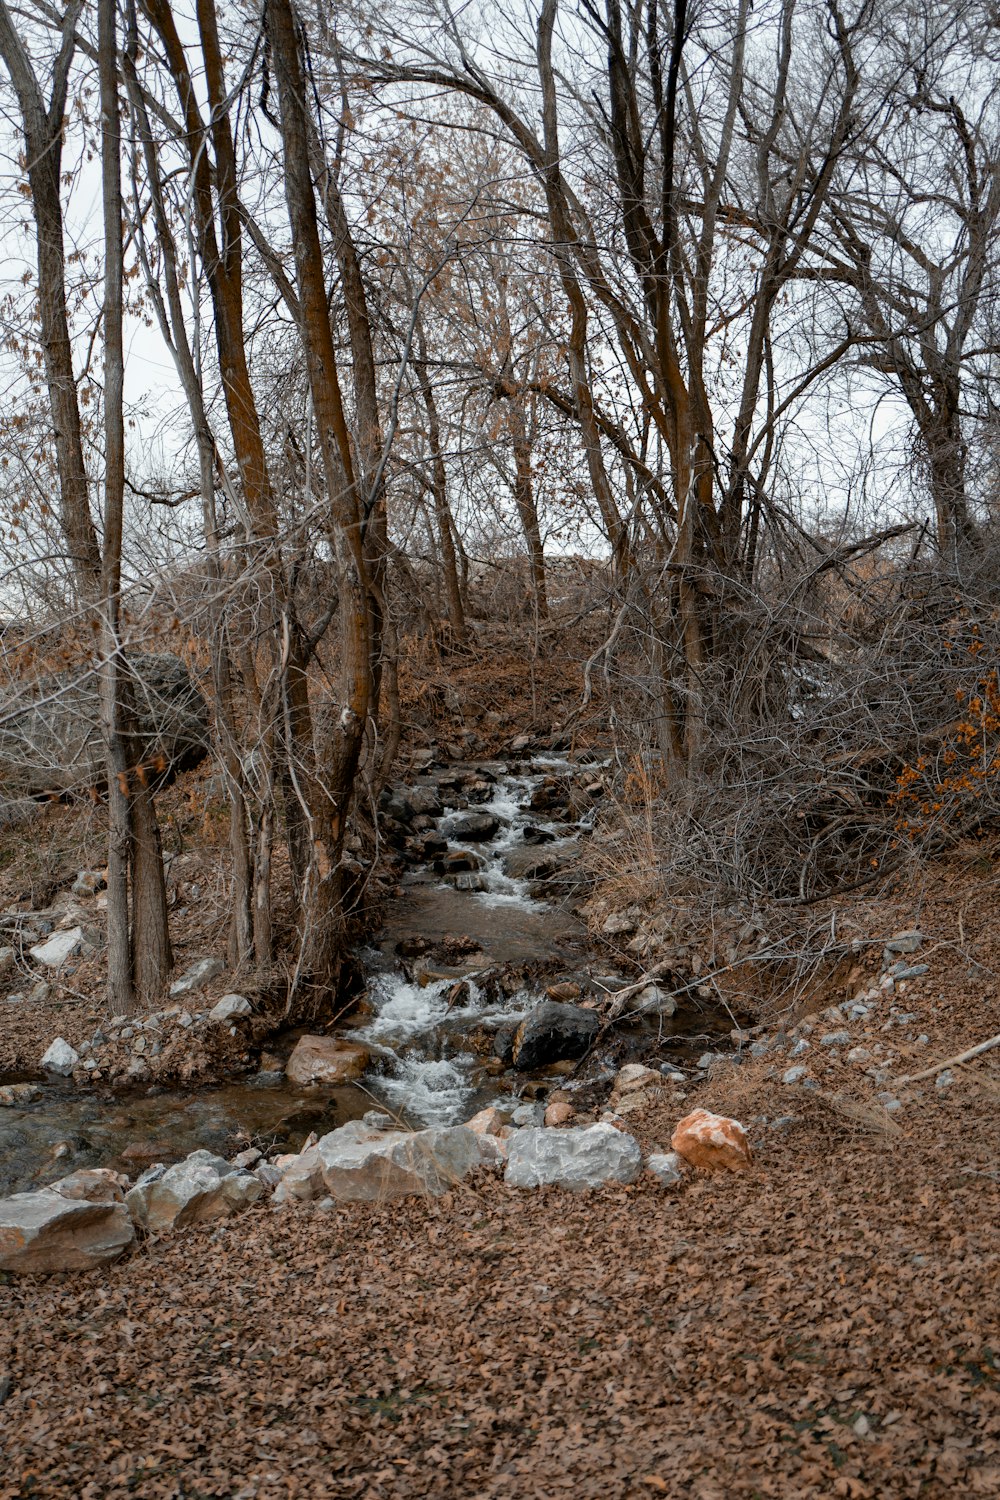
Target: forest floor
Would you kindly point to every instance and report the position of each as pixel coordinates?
(825, 1324)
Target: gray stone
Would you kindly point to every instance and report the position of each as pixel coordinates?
(15, 1095)
(944, 1079)
(904, 942)
(8, 962)
(267, 1078)
(528, 1114)
(618, 923)
(782, 1122)
(88, 882)
(794, 1075)
(552, 1032)
(908, 971)
(52, 743)
(60, 1058)
(201, 1189)
(58, 948)
(475, 828)
(197, 976)
(835, 1039)
(44, 1232)
(651, 1001)
(228, 1007)
(583, 1156)
(357, 1164)
(667, 1166)
(800, 1049)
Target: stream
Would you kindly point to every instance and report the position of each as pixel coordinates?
(484, 902)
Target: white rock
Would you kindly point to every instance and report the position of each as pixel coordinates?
(197, 976)
(859, 1055)
(582, 1156)
(668, 1166)
(944, 1079)
(229, 1006)
(636, 1076)
(651, 1001)
(198, 1190)
(44, 1231)
(361, 1165)
(58, 948)
(60, 1058)
(794, 1075)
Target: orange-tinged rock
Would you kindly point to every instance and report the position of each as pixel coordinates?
(326, 1059)
(712, 1142)
(559, 1113)
(487, 1122)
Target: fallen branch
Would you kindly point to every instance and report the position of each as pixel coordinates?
(962, 1057)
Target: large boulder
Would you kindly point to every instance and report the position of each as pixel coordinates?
(326, 1059)
(551, 1032)
(50, 733)
(475, 828)
(359, 1164)
(49, 1231)
(198, 1190)
(582, 1156)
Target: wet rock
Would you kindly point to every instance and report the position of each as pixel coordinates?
(486, 1122)
(197, 976)
(529, 864)
(15, 1095)
(326, 1059)
(45, 1232)
(423, 801)
(413, 946)
(468, 881)
(456, 861)
(559, 1113)
(475, 828)
(667, 1166)
(58, 948)
(377, 1119)
(565, 990)
(532, 835)
(553, 1031)
(529, 1114)
(503, 1045)
(201, 1189)
(229, 1007)
(712, 1142)
(579, 1157)
(60, 1058)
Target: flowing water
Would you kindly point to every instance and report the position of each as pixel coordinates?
(429, 1022)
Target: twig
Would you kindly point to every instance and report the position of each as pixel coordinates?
(962, 1057)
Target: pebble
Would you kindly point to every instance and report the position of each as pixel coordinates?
(800, 1049)
(859, 1055)
(945, 1079)
(782, 1122)
(835, 1039)
(794, 1075)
